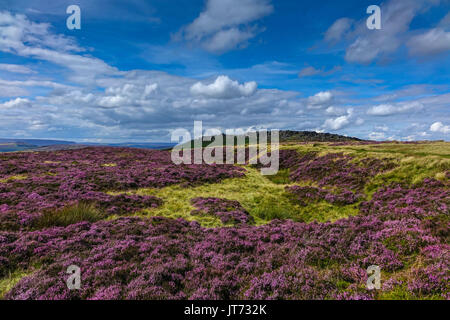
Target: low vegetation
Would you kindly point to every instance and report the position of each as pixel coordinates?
(142, 228)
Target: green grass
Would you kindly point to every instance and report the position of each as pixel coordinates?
(264, 200)
(402, 293)
(13, 178)
(11, 280)
(282, 177)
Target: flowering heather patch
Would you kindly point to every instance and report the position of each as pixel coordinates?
(51, 180)
(340, 180)
(338, 170)
(335, 170)
(305, 195)
(430, 198)
(228, 211)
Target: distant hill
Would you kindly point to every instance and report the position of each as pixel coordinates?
(9, 145)
(294, 136)
(36, 142)
(140, 145)
(306, 136)
(15, 146)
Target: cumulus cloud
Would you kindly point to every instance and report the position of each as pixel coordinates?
(224, 88)
(320, 100)
(226, 24)
(439, 127)
(334, 124)
(390, 109)
(16, 103)
(337, 123)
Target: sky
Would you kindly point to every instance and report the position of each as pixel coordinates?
(137, 70)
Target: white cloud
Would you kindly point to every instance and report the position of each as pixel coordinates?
(15, 68)
(382, 128)
(445, 22)
(377, 136)
(371, 45)
(320, 100)
(335, 111)
(432, 42)
(224, 88)
(339, 122)
(390, 109)
(150, 88)
(113, 101)
(21, 37)
(311, 71)
(229, 39)
(439, 127)
(226, 24)
(308, 71)
(12, 91)
(338, 30)
(16, 103)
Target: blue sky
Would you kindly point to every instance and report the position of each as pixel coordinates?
(138, 69)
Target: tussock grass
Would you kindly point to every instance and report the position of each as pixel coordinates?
(69, 215)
